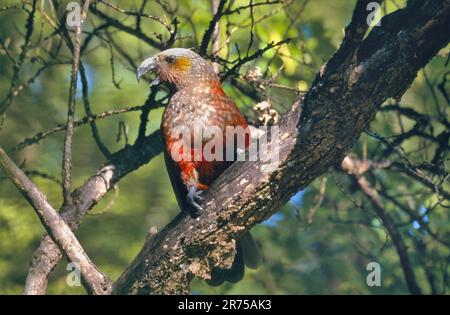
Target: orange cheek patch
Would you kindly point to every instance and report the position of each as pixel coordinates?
(182, 64)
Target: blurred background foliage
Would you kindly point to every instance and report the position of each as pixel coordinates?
(318, 243)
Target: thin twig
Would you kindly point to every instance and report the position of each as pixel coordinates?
(215, 35)
(67, 151)
(241, 61)
(388, 222)
(17, 66)
(139, 14)
(87, 108)
(85, 120)
(210, 30)
(250, 5)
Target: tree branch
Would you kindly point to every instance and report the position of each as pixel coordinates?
(85, 120)
(4, 104)
(351, 167)
(127, 29)
(212, 25)
(121, 163)
(93, 279)
(87, 109)
(67, 151)
(215, 37)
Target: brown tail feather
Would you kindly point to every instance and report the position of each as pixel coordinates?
(247, 254)
(251, 252)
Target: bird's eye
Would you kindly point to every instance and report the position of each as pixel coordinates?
(170, 59)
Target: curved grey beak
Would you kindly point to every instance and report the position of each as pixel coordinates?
(146, 66)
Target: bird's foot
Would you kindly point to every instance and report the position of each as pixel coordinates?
(193, 196)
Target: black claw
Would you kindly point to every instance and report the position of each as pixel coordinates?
(192, 197)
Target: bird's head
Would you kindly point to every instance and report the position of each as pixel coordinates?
(178, 67)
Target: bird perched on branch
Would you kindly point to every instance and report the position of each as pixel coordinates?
(198, 100)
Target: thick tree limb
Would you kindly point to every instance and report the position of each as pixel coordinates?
(315, 135)
(94, 280)
(47, 256)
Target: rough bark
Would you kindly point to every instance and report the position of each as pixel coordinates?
(314, 135)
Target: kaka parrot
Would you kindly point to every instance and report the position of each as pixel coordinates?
(198, 98)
